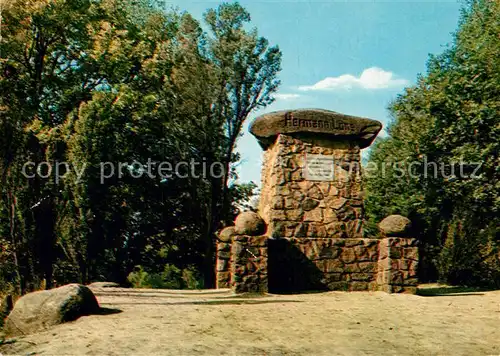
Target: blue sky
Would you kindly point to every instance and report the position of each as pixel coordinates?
(352, 57)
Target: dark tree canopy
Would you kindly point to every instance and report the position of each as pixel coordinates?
(95, 82)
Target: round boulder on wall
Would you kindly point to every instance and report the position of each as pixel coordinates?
(226, 233)
(249, 223)
(395, 225)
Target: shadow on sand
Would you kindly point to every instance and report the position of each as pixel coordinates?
(107, 311)
(451, 291)
(213, 302)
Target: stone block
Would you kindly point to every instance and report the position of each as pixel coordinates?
(314, 215)
(316, 230)
(361, 277)
(223, 246)
(278, 203)
(361, 252)
(222, 265)
(395, 253)
(368, 267)
(348, 255)
(335, 229)
(396, 277)
(277, 215)
(336, 203)
(315, 193)
(223, 279)
(329, 215)
(383, 250)
(294, 214)
(353, 242)
(227, 233)
(260, 241)
(410, 253)
(224, 254)
(309, 204)
(412, 268)
(329, 252)
(340, 286)
(331, 277)
(291, 203)
(359, 286)
(301, 230)
(352, 268)
(330, 266)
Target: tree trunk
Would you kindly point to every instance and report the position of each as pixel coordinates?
(12, 220)
(212, 219)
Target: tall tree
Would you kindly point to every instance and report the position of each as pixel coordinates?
(246, 77)
(450, 121)
(119, 81)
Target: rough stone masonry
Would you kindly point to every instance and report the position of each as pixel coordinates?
(312, 204)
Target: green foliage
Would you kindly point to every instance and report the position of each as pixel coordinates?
(470, 257)
(171, 278)
(451, 116)
(86, 82)
(7, 268)
(192, 278)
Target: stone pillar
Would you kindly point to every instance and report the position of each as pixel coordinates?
(223, 258)
(223, 268)
(397, 265)
(398, 256)
(295, 206)
(311, 176)
(242, 255)
(249, 264)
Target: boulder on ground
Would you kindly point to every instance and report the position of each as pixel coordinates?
(226, 233)
(249, 223)
(40, 310)
(395, 225)
(104, 285)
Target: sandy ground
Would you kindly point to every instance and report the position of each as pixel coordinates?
(215, 322)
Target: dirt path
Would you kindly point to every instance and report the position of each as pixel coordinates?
(164, 322)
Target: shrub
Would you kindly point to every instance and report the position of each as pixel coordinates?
(192, 278)
(170, 278)
(139, 278)
(470, 256)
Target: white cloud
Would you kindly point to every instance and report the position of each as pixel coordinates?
(371, 78)
(287, 96)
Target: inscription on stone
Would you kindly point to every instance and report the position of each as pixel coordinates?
(292, 121)
(319, 167)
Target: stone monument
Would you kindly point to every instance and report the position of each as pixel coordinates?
(312, 203)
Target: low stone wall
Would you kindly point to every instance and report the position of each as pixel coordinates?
(323, 264)
(259, 264)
